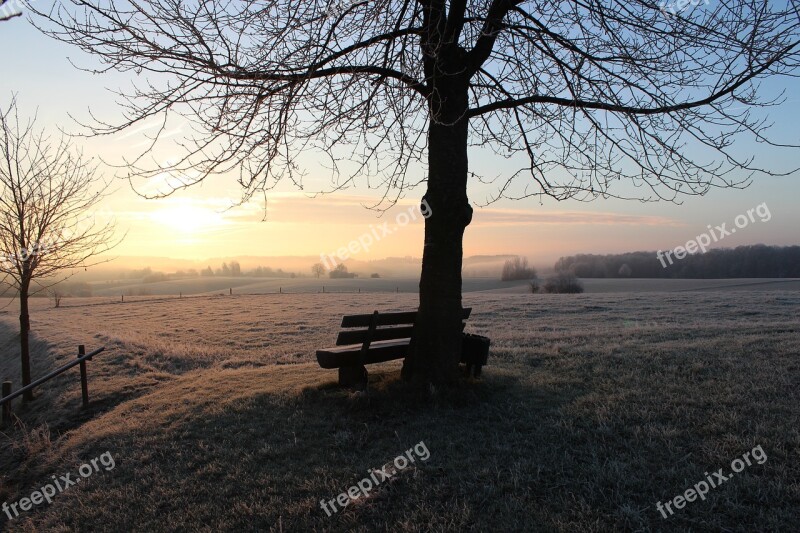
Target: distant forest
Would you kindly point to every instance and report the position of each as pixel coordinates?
(756, 261)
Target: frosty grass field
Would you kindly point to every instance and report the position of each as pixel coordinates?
(594, 408)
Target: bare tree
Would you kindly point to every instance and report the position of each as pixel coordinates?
(588, 99)
(56, 296)
(317, 269)
(46, 192)
(517, 268)
(8, 10)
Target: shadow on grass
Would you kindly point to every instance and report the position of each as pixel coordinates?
(46, 408)
(266, 460)
(257, 449)
(56, 407)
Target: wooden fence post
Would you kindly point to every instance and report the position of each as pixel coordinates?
(84, 380)
(7, 405)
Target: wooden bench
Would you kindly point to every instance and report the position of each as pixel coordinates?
(375, 338)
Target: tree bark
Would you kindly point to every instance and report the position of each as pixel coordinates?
(435, 348)
(24, 330)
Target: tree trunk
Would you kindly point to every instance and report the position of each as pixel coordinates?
(435, 348)
(24, 329)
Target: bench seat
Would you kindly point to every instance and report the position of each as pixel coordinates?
(379, 352)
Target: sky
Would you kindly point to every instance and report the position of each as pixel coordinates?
(198, 223)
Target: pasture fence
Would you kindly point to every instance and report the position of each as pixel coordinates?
(8, 396)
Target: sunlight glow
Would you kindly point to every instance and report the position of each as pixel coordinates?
(188, 219)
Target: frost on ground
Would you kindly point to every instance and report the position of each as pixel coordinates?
(594, 407)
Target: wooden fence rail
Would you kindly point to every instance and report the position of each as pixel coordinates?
(7, 396)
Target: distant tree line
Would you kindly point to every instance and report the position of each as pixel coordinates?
(234, 270)
(753, 261)
(228, 270)
(516, 269)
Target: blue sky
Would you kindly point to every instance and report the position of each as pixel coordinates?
(190, 224)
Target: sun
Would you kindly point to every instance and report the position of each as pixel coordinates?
(188, 219)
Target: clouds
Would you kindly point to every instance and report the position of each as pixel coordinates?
(517, 217)
(350, 210)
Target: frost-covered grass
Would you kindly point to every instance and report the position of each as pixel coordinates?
(594, 408)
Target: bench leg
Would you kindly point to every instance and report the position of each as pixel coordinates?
(468, 370)
(472, 370)
(353, 376)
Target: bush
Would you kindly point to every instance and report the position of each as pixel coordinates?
(534, 285)
(563, 283)
(517, 269)
(341, 272)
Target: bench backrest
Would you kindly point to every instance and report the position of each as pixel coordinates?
(388, 326)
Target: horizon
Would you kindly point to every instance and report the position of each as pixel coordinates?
(135, 262)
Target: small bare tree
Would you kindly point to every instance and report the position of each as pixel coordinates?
(317, 269)
(56, 296)
(46, 193)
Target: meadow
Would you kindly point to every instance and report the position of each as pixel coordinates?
(594, 408)
(220, 285)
